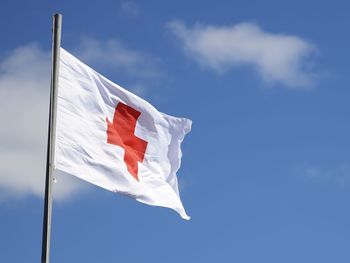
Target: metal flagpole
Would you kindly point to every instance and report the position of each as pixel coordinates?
(56, 43)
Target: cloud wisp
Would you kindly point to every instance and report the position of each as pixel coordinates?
(113, 54)
(339, 174)
(278, 58)
(24, 104)
(130, 9)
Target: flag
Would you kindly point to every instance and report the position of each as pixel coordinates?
(112, 138)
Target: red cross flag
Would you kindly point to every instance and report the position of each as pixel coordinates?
(116, 140)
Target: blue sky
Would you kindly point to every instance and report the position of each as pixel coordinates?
(265, 174)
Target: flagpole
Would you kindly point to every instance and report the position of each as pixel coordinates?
(56, 43)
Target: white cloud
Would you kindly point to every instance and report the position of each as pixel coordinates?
(24, 95)
(24, 102)
(278, 58)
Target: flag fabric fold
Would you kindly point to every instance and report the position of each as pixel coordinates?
(112, 138)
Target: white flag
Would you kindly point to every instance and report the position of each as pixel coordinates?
(116, 140)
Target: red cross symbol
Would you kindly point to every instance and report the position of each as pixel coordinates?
(121, 133)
